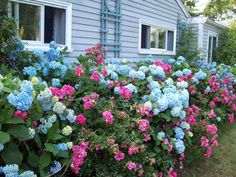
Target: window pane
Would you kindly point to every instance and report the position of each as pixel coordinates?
(158, 38)
(29, 21)
(214, 48)
(210, 49)
(145, 38)
(55, 22)
(170, 43)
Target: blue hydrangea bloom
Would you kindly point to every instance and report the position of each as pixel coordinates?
(162, 103)
(123, 69)
(175, 112)
(178, 73)
(1, 147)
(62, 147)
(185, 125)
(200, 75)
(53, 45)
(154, 85)
(187, 72)
(179, 145)
(28, 174)
(156, 94)
(56, 167)
(132, 88)
(53, 54)
(56, 82)
(179, 133)
(136, 75)
(114, 76)
(157, 71)
(161, 135)
(31, 71)
(10, 170)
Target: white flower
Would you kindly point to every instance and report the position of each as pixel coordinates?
(67, 130)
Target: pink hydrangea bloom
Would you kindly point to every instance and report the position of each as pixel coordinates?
(88, 105)
(81, 119)
(143, 125)
(208, 153)
(119, 156)
(104, 72)
(166, 67)
(233, 107)
(79, 71)
(20, 114)
(231, 118)
(68, 90)
(212, 129)
(147, 138)
(192, 120)
(212, 104)
(211, 114)
(216, 99)
(131, 166)
(132, 150)
(204, 141)
(125, 92)
(95, 76)
(108, 117)
(172, 173)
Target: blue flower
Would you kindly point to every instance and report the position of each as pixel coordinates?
(53, 45)
(182, 84)
(187, 72)
(154, 85)
(53, 54)
(114, 76)
(161, 135)
(10, 170)
(31, 71)
(56, 82)
(178, 73)
(144, 69)
(179, 145)
(132, 88)
(175, 112)
(13, 55)
(162, 103)
(200, 75)
(185, 125)
(136, 75)
(62, 147)
(157, 71)
(56, 167)
(39, 53)
(123, 69)
(156, 94)
(179, 133)
(28, 174)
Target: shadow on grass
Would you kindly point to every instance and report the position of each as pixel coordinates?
(223, 161)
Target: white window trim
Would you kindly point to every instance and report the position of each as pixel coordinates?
(212, 34)
(32, 45)
(153, 50)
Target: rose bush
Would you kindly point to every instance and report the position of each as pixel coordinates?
(103, 118)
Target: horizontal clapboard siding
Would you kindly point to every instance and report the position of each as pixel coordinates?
(86, 23)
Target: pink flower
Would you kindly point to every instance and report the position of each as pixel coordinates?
(81, 119)
(231, 118)
(79, 71)
(204, 141)
(143, 125)
(225, 100)
(216, 99)
(208, 153)
(68, 90)
(212, 104)
(172, 173)
(211, 114)
(22, 115)
(119, 156)
(57, 92)
(147, 138)
(192, 120)
(233, 107)
(132, 150)
(166, 67)
(125, 92)
(108, 117)
(94, 96)
(35, 123)
(215, 143)
(131, 166)
(212, 129)
(88, 105)
(104, 72)
(95, 76)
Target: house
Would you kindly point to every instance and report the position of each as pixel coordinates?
(131, 29)
(207, 33)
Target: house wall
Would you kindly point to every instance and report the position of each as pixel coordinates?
(86, 23)
(207, 29)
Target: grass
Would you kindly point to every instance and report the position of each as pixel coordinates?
(223, 161)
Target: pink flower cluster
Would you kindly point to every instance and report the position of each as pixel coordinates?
(81, 119)
(119, 156)
(166, 67)
(145, 111)
(96, 53)
(143, 125)
(90, 101)
(79, 71)
(192, 112)
(66, 90)
(95, 76)
(132, 150)
(79, 155)
(22, 115)
(214, 85)
(125, 92)
(108, 117)
(172, 173)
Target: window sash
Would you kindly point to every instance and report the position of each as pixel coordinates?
(168, 47)
(42, 3)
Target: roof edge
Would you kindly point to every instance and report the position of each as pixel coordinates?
(183, 8)
(207, 20)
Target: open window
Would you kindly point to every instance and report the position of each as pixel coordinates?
(157, 40)
(40, 22)
(212, 46)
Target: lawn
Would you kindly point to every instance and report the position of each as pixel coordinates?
(223, 161)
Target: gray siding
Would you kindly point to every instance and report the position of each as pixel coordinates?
(86, 23)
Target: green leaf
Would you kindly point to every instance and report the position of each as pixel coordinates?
(38, 140)
(11, 154)
(19, 131)
(44, 160)
(52, 131)
(51, 148)
(4, 137)
(33, 159)
(14, 121)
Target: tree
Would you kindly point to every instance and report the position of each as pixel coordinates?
(220, 9)
(226, 52)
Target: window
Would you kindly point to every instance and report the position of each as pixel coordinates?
(40, 22)
(156, 40)
(212, 46)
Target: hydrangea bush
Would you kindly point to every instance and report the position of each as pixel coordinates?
(102, 118)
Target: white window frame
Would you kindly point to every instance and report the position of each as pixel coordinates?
(211, 34)
(32, 45)
(155, 50)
